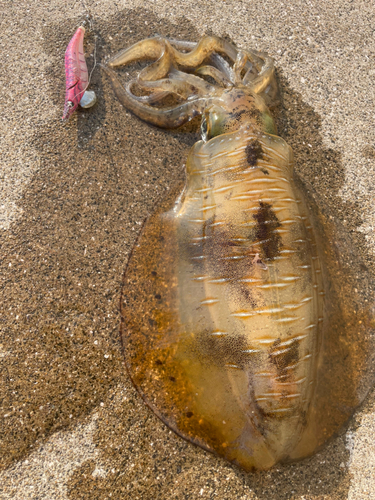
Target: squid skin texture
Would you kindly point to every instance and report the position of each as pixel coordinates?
(247, 307)
(235, 320)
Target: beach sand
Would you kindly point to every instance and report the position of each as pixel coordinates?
(73, 197)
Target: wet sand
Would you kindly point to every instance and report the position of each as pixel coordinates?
(73, 198)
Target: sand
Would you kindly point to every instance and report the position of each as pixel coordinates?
(73, 198)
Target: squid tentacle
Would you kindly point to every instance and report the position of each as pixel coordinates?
(206, 46)
(150, 48)
(263, 64)
(222, 65)
(239, 65)
(160, 68)
(153, 48)
(263, 81)
(165, 118)
(180, 83)
(164, 77)
(216, 74)
(217, 61)
(198, 84)
(147, 99)
(182, 44)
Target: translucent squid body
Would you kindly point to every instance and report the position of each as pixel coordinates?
(232, 323)
(77, 79)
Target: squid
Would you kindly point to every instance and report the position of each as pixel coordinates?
(231, 317)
